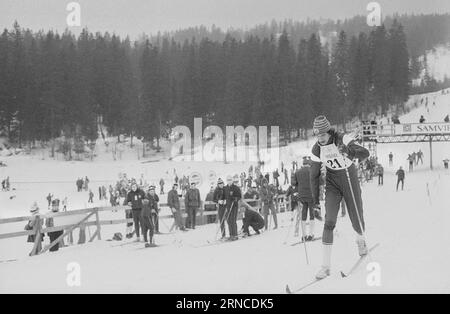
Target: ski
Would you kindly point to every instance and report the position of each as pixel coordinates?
(289, 291)
(8, 260)
(218, 242)
(301, 242)
(358, 262)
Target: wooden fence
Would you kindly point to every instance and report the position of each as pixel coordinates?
(86, 214)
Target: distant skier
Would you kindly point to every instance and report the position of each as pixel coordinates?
(420, 156)
(49, 199)
(336, 152)
(267, 194)
(380, 173)
(422, 119)
(161, 185)
(220, 199)
(154, 200)
(446, 163)
(134, 199)
(148, 226)
(91, 197)
(391, 159)
(233, 197)
(411, 162)
(447, 119)
(400, 177)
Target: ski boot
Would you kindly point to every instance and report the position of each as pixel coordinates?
(310, 238)
(323, 273)
(138, 239)
(362, 247)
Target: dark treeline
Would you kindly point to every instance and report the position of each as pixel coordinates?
(53, 84)
(423, 32)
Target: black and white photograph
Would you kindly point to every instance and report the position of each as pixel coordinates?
(208, 148)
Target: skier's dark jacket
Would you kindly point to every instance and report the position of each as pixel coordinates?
(302, 180)
(335, 177)
(151, 206)
(232, 195)
(135, 197)
(253, 218)
(219, 195)
(400, 173)
(192, 198)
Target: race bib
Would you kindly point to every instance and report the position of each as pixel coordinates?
(332, 158)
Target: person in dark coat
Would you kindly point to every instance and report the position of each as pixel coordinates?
(220, 199)
(302, 180)
(192, 202)
(134, 199)
(233, 196)
(154, 200)
(400, 177)
(267, 194)
(149, 214)
(210, 207)
(173, 201)
(252, 219)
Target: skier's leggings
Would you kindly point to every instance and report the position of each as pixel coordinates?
(337, 187)
(137, 218)
(232, 225)
(307, 206)
(148, 226)
(222, 210)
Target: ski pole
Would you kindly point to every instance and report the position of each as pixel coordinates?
(354, 203)
(290, 227)
(304, 244)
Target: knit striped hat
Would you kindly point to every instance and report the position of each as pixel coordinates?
(321, 125)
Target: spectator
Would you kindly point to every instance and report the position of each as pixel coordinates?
(91, 197)
(447, 119)
(251, 219)
(446, 163)
(422, 119)
(154, 200)
(210, 205)
(220, 200)
(32, 224)
(134, 199)
(391, 159)
(161, 185)
(192, 203)
(173, 201)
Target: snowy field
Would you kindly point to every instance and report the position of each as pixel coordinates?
(411, 227)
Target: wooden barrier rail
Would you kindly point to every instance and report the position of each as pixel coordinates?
(90, 212)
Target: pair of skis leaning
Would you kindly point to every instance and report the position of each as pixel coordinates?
(343, 275)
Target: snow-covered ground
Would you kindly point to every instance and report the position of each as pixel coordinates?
(411, 227)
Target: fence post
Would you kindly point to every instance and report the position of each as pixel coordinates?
(98, 224)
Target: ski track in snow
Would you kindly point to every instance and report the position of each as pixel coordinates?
(411, 227)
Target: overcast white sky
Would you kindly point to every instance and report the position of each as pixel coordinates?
(134, 17)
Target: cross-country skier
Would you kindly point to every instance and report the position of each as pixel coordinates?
(173, 201)
(233, 196)
(134, 199)
(336, 151)
(220, 199)
(400, 177)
